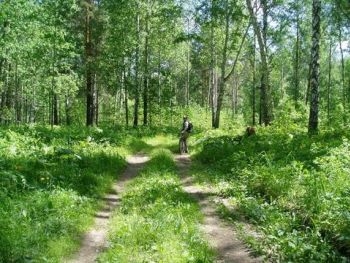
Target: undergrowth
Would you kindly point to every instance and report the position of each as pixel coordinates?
(157, 221)
(293, 187)
(51, 180)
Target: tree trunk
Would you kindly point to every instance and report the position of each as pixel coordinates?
(145, 85)
(126, 95)
(96, 96)
(254, 83)
(18, 96)
(221, 90)
(137, 85)
(146, 71)
(344, 93)
(329, 83)
(203, 87)
(213, 92)
(235, 87)
(55, 117)
(315, 66)
(260, 106)
(308, 88)
(54, 112)
(296, 64)
(10, 97)
(187, 99)
(224, 78)
(68, 110)
(32, 113)
(266, 99)
(159, 88)
(90, 100)
(283, 91)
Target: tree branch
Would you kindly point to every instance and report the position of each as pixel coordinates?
(238, 53)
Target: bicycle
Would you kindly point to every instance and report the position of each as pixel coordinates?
(182, 146)
(182, 143)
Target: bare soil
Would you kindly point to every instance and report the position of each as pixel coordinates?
(95, 240)
(221, 235)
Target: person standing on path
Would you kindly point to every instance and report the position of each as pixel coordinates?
(185, 132)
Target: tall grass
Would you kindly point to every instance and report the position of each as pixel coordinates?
(293, 187)
(50, 184)
(157, 221)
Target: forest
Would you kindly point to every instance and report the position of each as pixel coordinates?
(86, 83)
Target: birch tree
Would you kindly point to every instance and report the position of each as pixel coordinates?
(315, 66)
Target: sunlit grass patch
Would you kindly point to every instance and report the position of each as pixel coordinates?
(50, 184)
(294, 188)
(58, 249)
(38, 223)
(162, 141)
(157, 221)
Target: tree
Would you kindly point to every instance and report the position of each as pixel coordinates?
(93, 39)
(224, 31)
(266, 99)
(89, 59)
(315, 66)
(60, 59)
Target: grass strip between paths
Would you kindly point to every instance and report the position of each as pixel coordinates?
(157, 221)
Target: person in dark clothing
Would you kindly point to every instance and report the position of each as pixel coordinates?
(185, 134)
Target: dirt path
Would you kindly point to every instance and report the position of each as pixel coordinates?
(95, 240)
(221, 236)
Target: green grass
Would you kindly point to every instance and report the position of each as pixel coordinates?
(292, 187)
(36, 223)
(50, 184)
(51, 181)
(157, 221)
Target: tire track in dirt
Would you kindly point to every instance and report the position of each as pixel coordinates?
(220, 235)
(95, 240)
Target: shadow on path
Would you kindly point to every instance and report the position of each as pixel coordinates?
(220, 234)
(95, 239)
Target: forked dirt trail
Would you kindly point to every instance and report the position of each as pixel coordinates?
(220, 235)
(96, 239)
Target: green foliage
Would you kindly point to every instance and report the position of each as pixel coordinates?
(50, 182)
(292, 187)
(157, 221)
(31, 221)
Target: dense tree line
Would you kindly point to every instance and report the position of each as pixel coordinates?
(134, 62)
